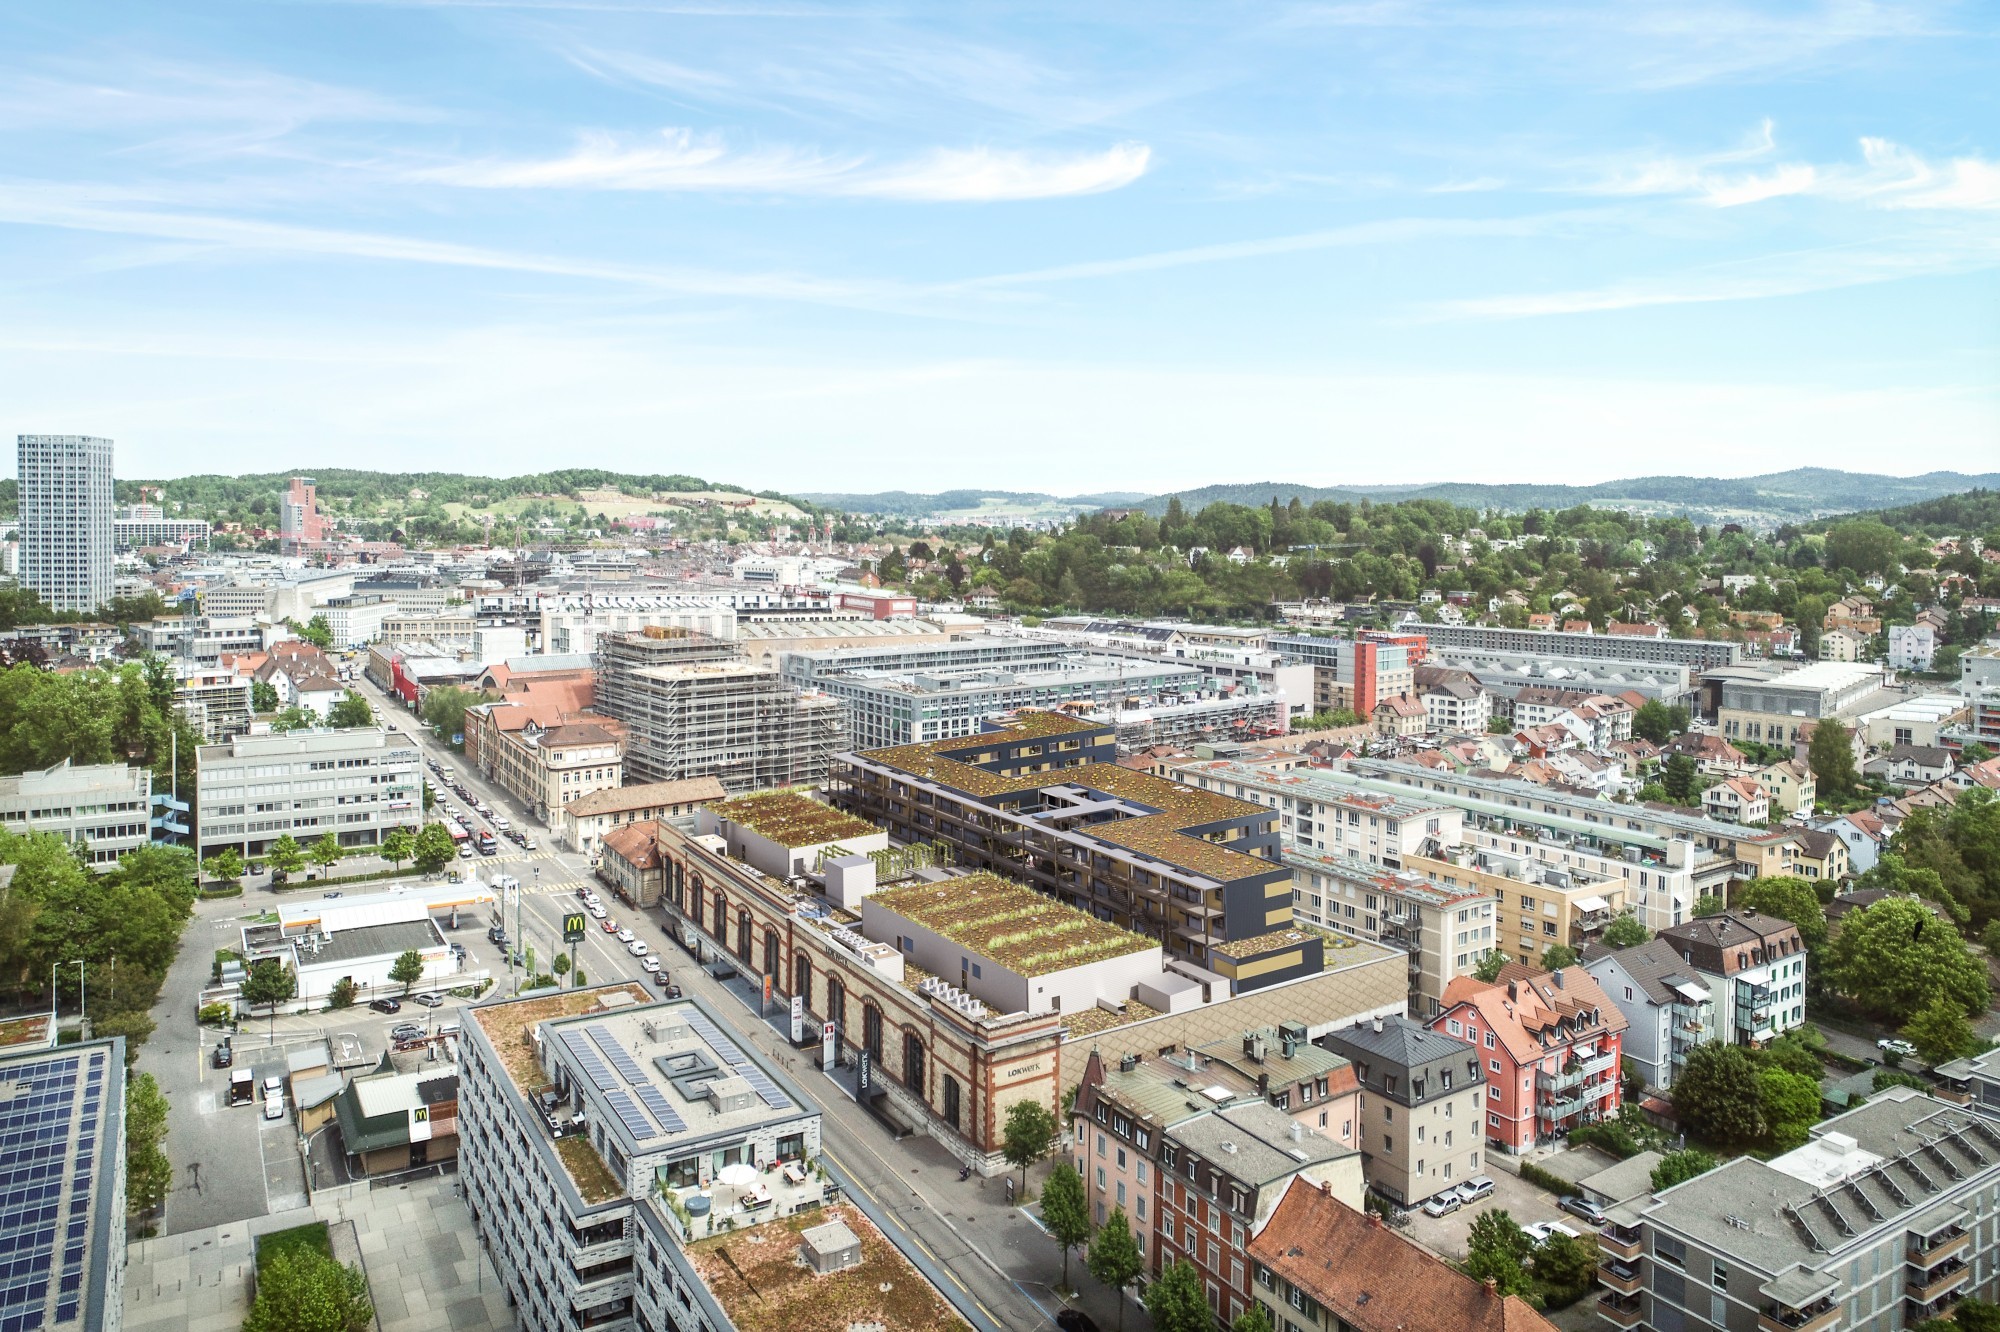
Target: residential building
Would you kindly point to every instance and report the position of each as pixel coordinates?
(1842, 644)
(1864, 836)
(1323, 1266)
(1350, 674)
(1668, 1010)
(587, 819)
(1401, 714)
(1535, 903)
(691, 709)
(1736, 800)
(1878, 1221)
(391, 1121)
(1911, 646)
(1698, 653)
(1455, 703)
(1918, 765)
(1822, 855)
(1979, 687)
(106, 809)
(63, 1120)
(1318, 812)
(1423, 1096)
(1551, 1040)
(1445, 931)
(1041, 799)
(1754, 965)
(67, 545)
(1790, 787)
(354, 784)
(546, 767)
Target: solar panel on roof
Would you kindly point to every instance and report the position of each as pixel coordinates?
(586, 1058)
(628, 1114)
(628, 1068)
(732, 1054)
(724, 1048)
(764, 1087)
(656, 1101)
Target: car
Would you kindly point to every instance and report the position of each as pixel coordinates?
(1894, 1046)
(333, 894)
(501, 823)
(596, 912)
(496, 934)
(254, 867)
(464, 852)
(483, 808)
(386, 1006)
(407, 1031)
(224, 1056)
(1476, 1189)
(637, 948)
(1584, 1208)
(431, 1000)
(458, 950)
(583, 894)
(590, 898)
(610, 925)
(660, 978)
(1540, 1231)
(274, 1085)
(274, 1106)
(626, 936)
(1444, 1204)
(651, 964)
(527, 842)
(1075, 1320)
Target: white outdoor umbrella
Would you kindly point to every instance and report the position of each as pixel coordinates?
(738, 1176)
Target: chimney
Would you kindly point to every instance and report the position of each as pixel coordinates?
(1512, 992)
(1492, 1286)
(1378, 1026)
(1557, 977)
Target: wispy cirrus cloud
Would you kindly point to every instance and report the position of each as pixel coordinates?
(681, 160)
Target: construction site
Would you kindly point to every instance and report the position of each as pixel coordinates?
(693, 706)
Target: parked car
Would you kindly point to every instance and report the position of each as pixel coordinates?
(1444, 1204)
(334, 893)
(430, 1000)
(1584, 1208)
(386, 1006)
(1477, 1188)
(407, 1031)
(1539, 1231)
(596, 911)
(651, 964)
(224, 1056)
(527, 842)
(637, 948)
(274, 1085)
(1075, 1320)
(496, 934)
(274, 1106)
(661, 978)
(1893, 1045)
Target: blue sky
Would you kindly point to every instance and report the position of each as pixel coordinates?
(1072, 247)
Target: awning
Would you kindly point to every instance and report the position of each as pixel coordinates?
(1592, 904)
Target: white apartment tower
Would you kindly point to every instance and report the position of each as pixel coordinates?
(66, 536)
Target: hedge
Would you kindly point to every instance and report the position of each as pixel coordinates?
(1546, 1179)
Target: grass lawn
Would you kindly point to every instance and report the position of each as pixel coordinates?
(311, 1238)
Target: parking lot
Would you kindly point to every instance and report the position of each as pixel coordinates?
(1519, 1199)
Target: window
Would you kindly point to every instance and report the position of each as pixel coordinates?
(1669, 1250)
(1489, 1040)
(1720, 1277)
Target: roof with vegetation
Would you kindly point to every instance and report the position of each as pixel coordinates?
(1014, 926)
(1164, 835)
(756, 1276)
(792, 819)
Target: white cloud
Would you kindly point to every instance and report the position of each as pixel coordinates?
(678, 159)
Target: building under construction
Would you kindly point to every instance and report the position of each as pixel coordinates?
(693, 707)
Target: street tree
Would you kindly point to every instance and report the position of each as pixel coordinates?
(326, 852)
(1894, 957)
(1940, 1031)
(1065, 1212)
(148, 1172)
(407, 969)
(1114, 1257)
(343, 993)
(444, 709)
(1176, 1302)
(1026, 1137)
(225, 866)
(269, 984)
(286, 854)
(434, 848)
(398, 845)
(351, 710)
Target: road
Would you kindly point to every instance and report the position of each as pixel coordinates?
(990, 1250)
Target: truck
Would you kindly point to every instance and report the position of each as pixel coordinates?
(242, 1087)
(487, 846)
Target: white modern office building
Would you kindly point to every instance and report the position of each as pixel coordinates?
(356, 784)
(67, 546)
(106, 806)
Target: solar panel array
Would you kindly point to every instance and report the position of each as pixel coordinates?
(47, 1128)
(586, 1058)
(628, 1067)
(656, 1101)
(628, 1114)
(732, 1054)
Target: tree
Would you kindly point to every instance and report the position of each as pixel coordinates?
(303, 1290)
(1862, 546)
(398, 845)
(1677, 777)
(1498, 1251)
(1940, 1031)
(1789, 1104)
(295, 718)
(318, 632)
(1565, 1263)
(1718, 1096)
(286, 854)
(1654, 721)
(1065, 1212)
(271, 983)
(263, 696)
(407, 969)
(1487, 970)
(1252, 1319)
(351, 710)
(1830, 755)
(1558, 955)
(342, 995)
(434, 848)
(1681, 1166)
(1176, 1302)
(1626, 931)
(1894, 957)
(444, 709)
(1709, 904)
(148, 1173)
(1976, 1315)
(1027, 1136)
(1114, 1258)
(225, 866)
(1788, 898)
(326, 852)
(1797, 1051)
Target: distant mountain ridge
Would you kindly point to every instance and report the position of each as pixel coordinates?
(1804, 492)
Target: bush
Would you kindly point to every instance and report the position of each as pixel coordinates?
(1544, 1179)
(222, 890)
(215, 1015)
(1890, 1078)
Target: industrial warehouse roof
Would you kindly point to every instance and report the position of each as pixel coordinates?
(1017, 927)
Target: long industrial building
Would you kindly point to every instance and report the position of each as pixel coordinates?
(1700, 653)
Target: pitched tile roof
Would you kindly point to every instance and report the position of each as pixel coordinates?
(649, 795)
(1373, 1279)
(1522, 1003)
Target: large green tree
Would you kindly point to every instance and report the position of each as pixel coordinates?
(1065, 1213)
(1026, 1136)
(1176, 1301)
(1114, 1257)
(434, 849)
(1788, 898)
(1940, 1031)
(444, 709)
(1680, 1166)
(148, 1173)
(302, 1290)
(351, 710)
(1894, 957)
(1830, 755)
(407, 969)
(1790, 1106)
(398, 845)
(1498, 1251)
(1717, 1095)
(286, 854)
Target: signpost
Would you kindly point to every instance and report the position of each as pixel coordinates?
(765, 1008)
(864, 1070)
(826, 1045)
(798, 1018)
(574, 925)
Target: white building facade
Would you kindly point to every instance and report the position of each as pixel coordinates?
(355, 784)
(67, 544)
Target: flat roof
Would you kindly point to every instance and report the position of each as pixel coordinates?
(790, 818)
(1020, 928)
(763, 1287)
(366, 941)
(61, 1114)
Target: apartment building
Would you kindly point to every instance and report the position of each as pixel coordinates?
(1535, 904)
(546, 767)
(1445, 931)
(1668, 1009)
(302, 528)
(1454, 702)
(692, 708)
(1040, 799)
(587, 819)
(1321, 1265)
(105, 807)
(1316, 811)
(1699, 653)
(67, 545)
(1979, 687)
(136, 526)
(217, 701)
(1790, 786)
(1551, 1040)
(1736, 800)
(355, 784)
(1422, 1098)
(1351, 674)
(1754, 965)
(1883, 1220)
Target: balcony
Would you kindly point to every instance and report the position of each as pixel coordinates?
(1619, 1310)
(1563, 1109)
(1620, 1276)
(1927, 1252)
(1616, 1241)
(1928, 1287)
(1821, 1315)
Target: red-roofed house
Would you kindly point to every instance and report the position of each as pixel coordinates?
(1551, 1040)
(1737, 800)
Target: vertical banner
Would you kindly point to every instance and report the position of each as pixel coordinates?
(798, 1018)
(826, 1046)
(864, 1074)
(766, 1009)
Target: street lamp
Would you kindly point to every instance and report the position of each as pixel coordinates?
(82, 996)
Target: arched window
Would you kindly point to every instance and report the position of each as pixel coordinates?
(743, 935)
(871, 1032)
(951, 1110)
(913, 1064)
(771, 956)
(802, 977)
(836, 1007)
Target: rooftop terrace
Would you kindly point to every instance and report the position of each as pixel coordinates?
(757, 1277)
(790, 818)
(1017, 927)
